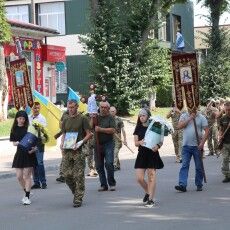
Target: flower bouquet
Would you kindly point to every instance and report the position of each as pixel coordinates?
(36, 134)
(157, 129)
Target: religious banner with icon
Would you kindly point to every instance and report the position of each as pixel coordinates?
(21, 88)
(186, 80)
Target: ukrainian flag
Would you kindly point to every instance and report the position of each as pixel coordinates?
(52, 114)
(82, 108)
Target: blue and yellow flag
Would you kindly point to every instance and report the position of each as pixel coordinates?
(52, 114)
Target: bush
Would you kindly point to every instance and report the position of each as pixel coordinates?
(12, 112)
(164, 97)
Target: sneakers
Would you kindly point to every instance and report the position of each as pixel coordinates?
(102, 189)
(146, 198)
(44, 186)
(112, 188)
(226, 180)
(199, 188)
(36, 186)
(61, 179)
(92, 173)
(180, 188)
(26, 201)
(149, 204)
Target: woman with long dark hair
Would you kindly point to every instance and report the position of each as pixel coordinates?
(148, 160)
(23, 161)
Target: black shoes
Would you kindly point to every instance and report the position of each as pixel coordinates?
(180, 188)
(76, 205)
(149, 204)
(102, 189)
(61, 179)
(36, 186)
(44, 186)
(199, 188)
(146, 198)
(226, 180)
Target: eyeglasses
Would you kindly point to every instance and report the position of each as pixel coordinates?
(103, 107)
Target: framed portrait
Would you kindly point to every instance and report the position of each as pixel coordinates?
(19, 78)
(186, 75)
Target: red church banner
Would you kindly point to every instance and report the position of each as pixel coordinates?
(21, 88)
(186, 80)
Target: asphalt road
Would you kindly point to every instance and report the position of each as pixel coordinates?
(122, 209)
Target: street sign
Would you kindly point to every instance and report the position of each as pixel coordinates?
(60, 66)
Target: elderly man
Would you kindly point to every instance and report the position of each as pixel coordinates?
(191, 147)
(73, 164)
(104, 147)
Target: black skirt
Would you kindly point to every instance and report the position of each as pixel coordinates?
(23, 159)
(146, 158)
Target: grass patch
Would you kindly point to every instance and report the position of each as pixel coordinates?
(157, 111)
(5, 127)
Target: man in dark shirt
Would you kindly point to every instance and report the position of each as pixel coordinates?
(224, 136)
(104, 147)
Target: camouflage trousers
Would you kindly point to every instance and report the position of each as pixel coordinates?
(61, 166)
(88, 151)
(212, 139)
(177, 138)
(225, 163)
(73, 167)
(117, 147)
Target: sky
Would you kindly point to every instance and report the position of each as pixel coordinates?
(200, 20)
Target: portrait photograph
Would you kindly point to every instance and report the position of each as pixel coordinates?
(19, 78)
(186, 75)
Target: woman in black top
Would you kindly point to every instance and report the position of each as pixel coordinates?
(147, 159)
(23, 161)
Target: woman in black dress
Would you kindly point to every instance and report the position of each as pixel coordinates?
(147, 159)
(23, 161)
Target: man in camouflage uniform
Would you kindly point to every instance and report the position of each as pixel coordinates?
(225, 125)
(177, 135)
(61, 175)
(73, 164)
(117, 137)
(88, 149)
(211, 114)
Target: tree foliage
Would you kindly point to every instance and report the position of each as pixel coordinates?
(127, 65)
(215, 70)
(5, 33)
(5, 36)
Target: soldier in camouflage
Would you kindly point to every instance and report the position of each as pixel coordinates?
(117, 137)
(224, 136)
(211, 113)
(73, 164)
(177, 135)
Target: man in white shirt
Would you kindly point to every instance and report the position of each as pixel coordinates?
(39, 176)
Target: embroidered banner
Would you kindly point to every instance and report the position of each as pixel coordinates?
(21, 88)
(186, 80)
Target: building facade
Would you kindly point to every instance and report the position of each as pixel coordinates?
(71, 19)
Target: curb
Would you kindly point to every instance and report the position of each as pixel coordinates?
(12, 174)
(4, 138)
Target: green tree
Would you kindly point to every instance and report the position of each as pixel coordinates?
(127, 65)
(215, 70)
(5, 36)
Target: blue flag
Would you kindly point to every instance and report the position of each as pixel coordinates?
(73, 95)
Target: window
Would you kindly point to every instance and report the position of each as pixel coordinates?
(20, 13)
(52, 15)
(176, 26)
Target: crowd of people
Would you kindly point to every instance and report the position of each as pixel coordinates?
(98, 136)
